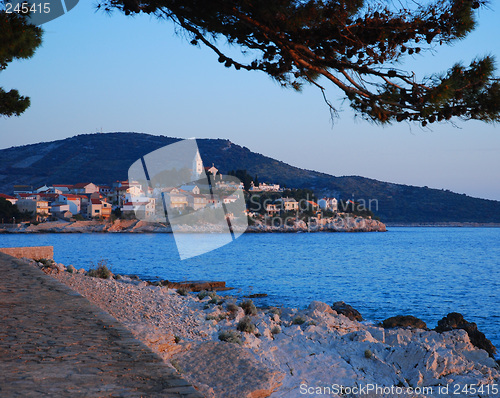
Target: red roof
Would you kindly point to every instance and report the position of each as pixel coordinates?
(81, 185)
(26, 195)
(71, 197)
(2, 195)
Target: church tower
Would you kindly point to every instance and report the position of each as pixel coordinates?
(197, 166)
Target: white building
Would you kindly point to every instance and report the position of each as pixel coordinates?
(74, 202)
(193, 189)
(197, 167)
(328, 204)
(288, 204)
(144, 208)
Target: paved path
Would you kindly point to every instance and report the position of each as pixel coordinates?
(53, 342)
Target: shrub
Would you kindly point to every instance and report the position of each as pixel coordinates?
(211, 317)
(232, 308)
(249, 307)
(368, 354)
(45, 261)
(214, 298)
(182, 291)
(101, 271)
(246, 325)
(176, 365)
(275, 311)
(177, 339)
(275, 330)
(202, 294)
(230, 336)
(298, 320)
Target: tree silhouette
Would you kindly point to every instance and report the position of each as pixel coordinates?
(351, 43)
(18, 40)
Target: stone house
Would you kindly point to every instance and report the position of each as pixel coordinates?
(288, 204)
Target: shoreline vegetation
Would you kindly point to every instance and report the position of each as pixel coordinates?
(349, 224)
(230, 348)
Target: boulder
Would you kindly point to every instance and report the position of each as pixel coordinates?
(320, 307)
(404, 321)
(345, 309)
(230, 371)
(454, 320)
(60, 267)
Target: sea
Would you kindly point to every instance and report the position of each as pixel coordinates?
(425, 272)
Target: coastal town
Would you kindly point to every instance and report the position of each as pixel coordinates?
(130, 199)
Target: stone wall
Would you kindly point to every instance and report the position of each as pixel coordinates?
(34, 252)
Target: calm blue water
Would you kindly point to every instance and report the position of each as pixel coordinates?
(426, 272)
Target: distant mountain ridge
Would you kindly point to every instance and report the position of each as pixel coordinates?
(104, 158)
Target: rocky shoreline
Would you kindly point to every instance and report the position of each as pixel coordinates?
(232, 349)
(348, 224)
(357, 224)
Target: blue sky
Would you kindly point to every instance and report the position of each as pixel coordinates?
(114, 73)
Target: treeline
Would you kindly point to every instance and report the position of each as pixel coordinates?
(10, 213)
(245, 178)
(356, 208)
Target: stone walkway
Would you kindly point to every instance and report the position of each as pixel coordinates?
(53, 342)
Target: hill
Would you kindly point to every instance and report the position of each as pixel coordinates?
(104, 158)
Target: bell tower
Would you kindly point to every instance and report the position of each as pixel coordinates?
(197, 166)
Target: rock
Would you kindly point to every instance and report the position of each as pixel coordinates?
(195, 286)
(345, 309)
(377, 333)
(360, 335)
(82, 271)
(60, 267)
(230, 370)
(398, 337)
(71, 269)
(320, 307)
(480, 356)
(404, 321)
(454, 320)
